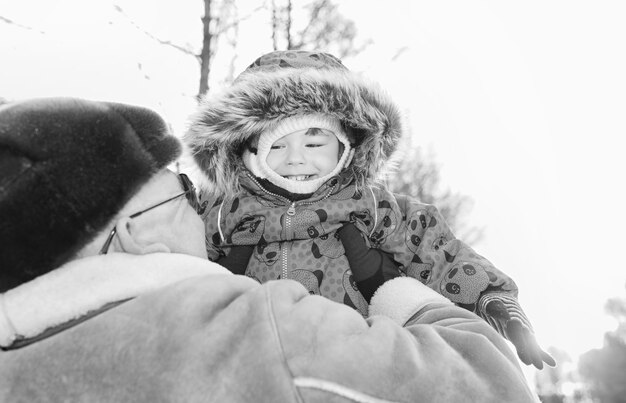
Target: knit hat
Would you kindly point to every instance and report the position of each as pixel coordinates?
(67, 166)
(257, 162)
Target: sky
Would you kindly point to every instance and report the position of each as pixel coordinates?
(522, 103)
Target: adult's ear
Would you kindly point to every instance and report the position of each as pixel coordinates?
(128, 234)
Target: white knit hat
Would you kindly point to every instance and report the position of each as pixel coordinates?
(257, 163)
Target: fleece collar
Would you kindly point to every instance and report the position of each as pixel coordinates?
(81, 287)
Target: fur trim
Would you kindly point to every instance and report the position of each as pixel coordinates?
(85, 285)
(401, 298)
(257, 102)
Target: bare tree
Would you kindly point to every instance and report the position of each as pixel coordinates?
(603, 369)
(219, 19)
(274, 26)
(418, 175)
(325, 28)
(288, 24)
(17, 24)
(215, 26)
(206, 52)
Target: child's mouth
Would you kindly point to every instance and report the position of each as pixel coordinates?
(298, 177)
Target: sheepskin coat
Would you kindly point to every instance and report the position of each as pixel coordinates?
(190, 332)
(297, 239)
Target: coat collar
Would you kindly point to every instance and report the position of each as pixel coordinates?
(84, 287)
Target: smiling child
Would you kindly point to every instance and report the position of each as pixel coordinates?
(293, 151)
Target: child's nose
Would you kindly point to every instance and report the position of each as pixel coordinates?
(295, 156)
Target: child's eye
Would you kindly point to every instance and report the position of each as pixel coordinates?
(276, 147)
(315, 145)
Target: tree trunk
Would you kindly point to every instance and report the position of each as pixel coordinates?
(288, 25)
(274, 26)
(205, 55)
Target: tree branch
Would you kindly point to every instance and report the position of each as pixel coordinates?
(149, 35)
(288, 27)
(315, 14)
(274, 26)
(11, 22)
(225, 28)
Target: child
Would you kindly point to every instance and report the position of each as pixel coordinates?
(291, 152)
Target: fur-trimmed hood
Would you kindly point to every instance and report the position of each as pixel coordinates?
(265, 94)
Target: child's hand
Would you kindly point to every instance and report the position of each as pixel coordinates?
(237, 259)
(520, 335)
(370, 267)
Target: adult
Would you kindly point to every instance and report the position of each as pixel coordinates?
(107, 294)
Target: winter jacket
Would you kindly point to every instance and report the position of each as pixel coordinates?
(297, 240)
(185, 336)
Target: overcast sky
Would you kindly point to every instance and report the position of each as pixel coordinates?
(522, 103)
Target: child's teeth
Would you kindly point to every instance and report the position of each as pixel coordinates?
(298, 177)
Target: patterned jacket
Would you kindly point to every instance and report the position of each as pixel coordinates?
(298, 240)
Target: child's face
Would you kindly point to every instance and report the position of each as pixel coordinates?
(305, 154)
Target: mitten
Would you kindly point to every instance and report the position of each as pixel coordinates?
(503, 312)
(237, 260)
(370, 267)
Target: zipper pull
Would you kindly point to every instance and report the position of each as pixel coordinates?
(291, 211)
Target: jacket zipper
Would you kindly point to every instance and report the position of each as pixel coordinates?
(291, 211)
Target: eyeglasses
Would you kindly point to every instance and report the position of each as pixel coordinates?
(189, 193)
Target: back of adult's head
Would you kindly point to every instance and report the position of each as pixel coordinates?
(67, 166)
